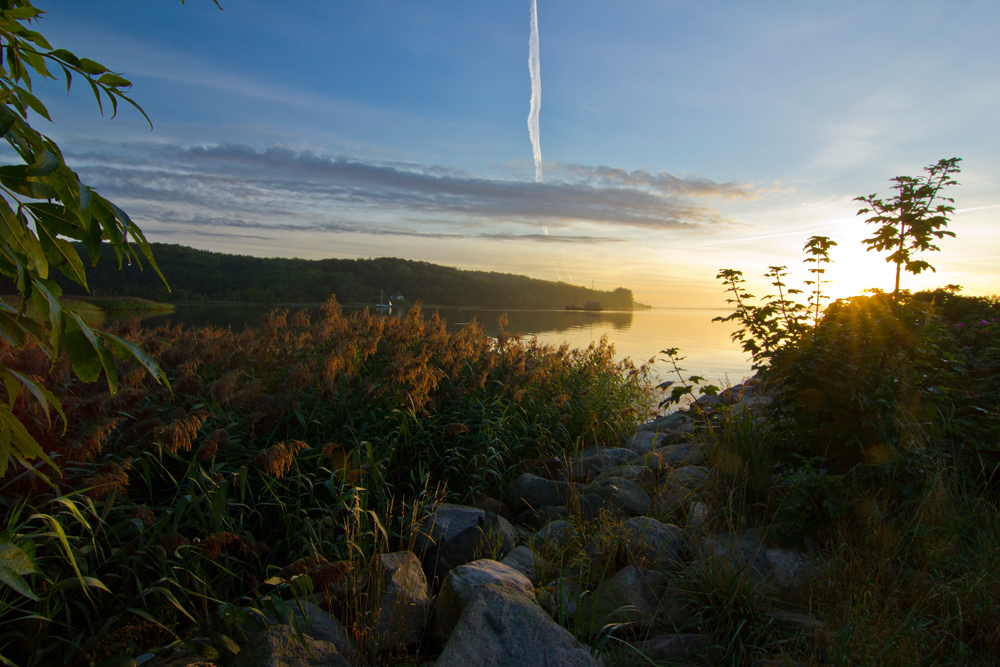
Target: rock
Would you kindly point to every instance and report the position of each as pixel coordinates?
(530, 491)
(639, 474)
(587, 468)
(676, 456)
(556, 534)
(493, 505)
(673, 647)
(698, 515)
(500, 537)
(673, 499)
(735, 551)
(799, 621)
(629, 600)
(452, 535)
(522, 559)
(645, 441)
(505, 629)
(595, 507)
(622, 494)
(659, 546)
(689, 477)
(465, 583)
(561, 598)
(667, 422)
(397, 581)
(789, 568)
(753, 404)
(542, 516)
(445, 522)
(312, 620)
(279, 646)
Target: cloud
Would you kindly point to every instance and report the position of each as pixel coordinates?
(281, 188)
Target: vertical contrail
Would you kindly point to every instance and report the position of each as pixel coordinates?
(536, 91)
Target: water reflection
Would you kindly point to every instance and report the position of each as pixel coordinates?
(639, 335)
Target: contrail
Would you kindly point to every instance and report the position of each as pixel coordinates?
(536, 91)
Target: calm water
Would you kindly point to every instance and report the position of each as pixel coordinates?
(639, 334)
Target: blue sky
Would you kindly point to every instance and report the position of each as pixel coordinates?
(677, 137)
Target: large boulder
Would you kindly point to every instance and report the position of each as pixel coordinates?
(537, 518)
(464, 583)
(746, 551)
(659, 546)
(397, 581)
(631, 600)
(676, 456)
(501, 628)
(556, 535)
(622, 494)
(453, 535)
(645, 441)
(522, 559)
(667, 423)
(529, 491)
(591, 462)
(280, 646)
(308, 618)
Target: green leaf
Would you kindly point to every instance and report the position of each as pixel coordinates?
(66, 57)
(114, 81)
(86, 353)
(91, 67)
(7, 119)
(14, 563)
(44, 397)
(16, 178)
(61, 253)
(15, 234)
(123, 349)
(45, 163)
(20, 440)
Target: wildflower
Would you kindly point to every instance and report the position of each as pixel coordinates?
(144, 514)
(113, 477)
(226, 542)
(213, 443)
(177, 436)
(983, 323)
(959, 325)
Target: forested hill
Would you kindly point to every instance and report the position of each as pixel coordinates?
(196, 275)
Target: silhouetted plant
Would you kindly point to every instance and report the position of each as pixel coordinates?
(911, 219)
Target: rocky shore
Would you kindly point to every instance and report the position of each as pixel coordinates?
(472, 589)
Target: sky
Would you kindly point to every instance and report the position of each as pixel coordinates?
(676, 138)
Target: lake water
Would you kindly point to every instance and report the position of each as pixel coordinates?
(638, 334)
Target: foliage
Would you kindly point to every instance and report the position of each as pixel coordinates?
(42, 203)
(276, 437)
(780, 321)
(910, 220)
(197, 275)
(686, 387)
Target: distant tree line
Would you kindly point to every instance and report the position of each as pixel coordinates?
(200, 275)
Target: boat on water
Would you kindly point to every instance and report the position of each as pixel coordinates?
(590, 306)
(382, 306)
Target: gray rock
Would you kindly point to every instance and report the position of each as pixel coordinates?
(739, 551)
(676, 456)
(667, 422)
(622, 494)
(584, 469)
(280, 646)
(698, 515)
(645, 441)
(397, 581)
(659, 546)
(452, 535)
(465, 583)
(529, 491)
(539, 517)
(789, 568)
(629, 600)
(753, 404)
(689, 477)
(505, 629)
(522, 559)
(310, 619)
(673, 499)
(444, 523)
(639, 474)
(556, 534)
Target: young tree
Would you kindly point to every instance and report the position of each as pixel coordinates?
(911, 219)
(42, 204)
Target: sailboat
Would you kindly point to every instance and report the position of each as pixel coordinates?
(382, 307)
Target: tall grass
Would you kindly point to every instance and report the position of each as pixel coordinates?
(174, 509)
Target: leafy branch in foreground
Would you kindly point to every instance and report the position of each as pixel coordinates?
(42, 204)
(910, 219)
